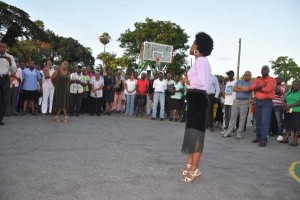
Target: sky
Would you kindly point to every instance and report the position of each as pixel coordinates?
(268, 29)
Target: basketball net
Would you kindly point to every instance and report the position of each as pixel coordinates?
(158, 60)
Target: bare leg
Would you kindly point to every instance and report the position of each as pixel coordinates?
(171, 114)
(188, 165)
(177, 114)
(58, 112)
(56, 115)
(111, 106)
(296, 135)
(107, 107)
(25, 106)
(190, 159)
(196, 159)
(32, 106)
(65, 112)
(286, 137)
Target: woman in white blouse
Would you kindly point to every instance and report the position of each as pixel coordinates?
(130, 91)
(97, 83)
(197, 80)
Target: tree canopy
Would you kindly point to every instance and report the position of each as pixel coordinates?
(111, 60)
(163, 32)
(29, 40)
(286, 68)
(15, 23)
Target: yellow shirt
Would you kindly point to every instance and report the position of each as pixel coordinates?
(86, 88)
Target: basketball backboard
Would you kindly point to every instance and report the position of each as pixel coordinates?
(157, 52)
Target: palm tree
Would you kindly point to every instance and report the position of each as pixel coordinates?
(104, 39)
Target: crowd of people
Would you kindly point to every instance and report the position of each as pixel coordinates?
(198, 98)
(52, 89)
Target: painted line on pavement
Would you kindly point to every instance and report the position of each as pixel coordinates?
(293, 167)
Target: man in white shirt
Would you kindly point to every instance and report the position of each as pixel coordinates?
(78, 82)
(159, 86)
(229, 96)
(7, 64)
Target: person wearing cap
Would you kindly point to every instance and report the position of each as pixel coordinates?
(159, 86)
(264, 89)
(78, 82)
(229, 96)
(7, 65)
(48, 87)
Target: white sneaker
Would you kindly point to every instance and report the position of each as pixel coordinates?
(223, 131)
(279, 138)
(239, 136)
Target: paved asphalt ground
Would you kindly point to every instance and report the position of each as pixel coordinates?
(120, 157)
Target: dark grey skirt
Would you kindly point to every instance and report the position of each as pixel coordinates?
(197, 108)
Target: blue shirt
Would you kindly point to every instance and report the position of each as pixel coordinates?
(243, 95)
(30, 79)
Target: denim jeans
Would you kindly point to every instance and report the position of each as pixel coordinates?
(263, 111)
(161, 98)
(278, 111)
(130, 103)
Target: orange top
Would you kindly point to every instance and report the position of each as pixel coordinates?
(268, 91)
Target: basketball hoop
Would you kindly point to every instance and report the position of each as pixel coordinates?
(158, 60)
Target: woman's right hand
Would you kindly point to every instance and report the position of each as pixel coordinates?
(186, 79)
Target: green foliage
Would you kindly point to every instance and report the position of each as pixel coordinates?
(58, 49)
(286, 68)
(29, 41)
(164, 32)
(15, 23)
(111, 60)
(71, 50)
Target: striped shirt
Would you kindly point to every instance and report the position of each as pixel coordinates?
(75, 87)
(279, 99)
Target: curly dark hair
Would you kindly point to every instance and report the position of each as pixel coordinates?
(205, 43)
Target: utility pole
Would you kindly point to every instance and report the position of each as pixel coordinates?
(239, 59)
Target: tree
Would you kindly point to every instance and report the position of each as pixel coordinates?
(104, 39)
(27, 50)
(286, 68)
(111, 60)
(15, 23)
(58, 49)
(164, 32)
(108, 59)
